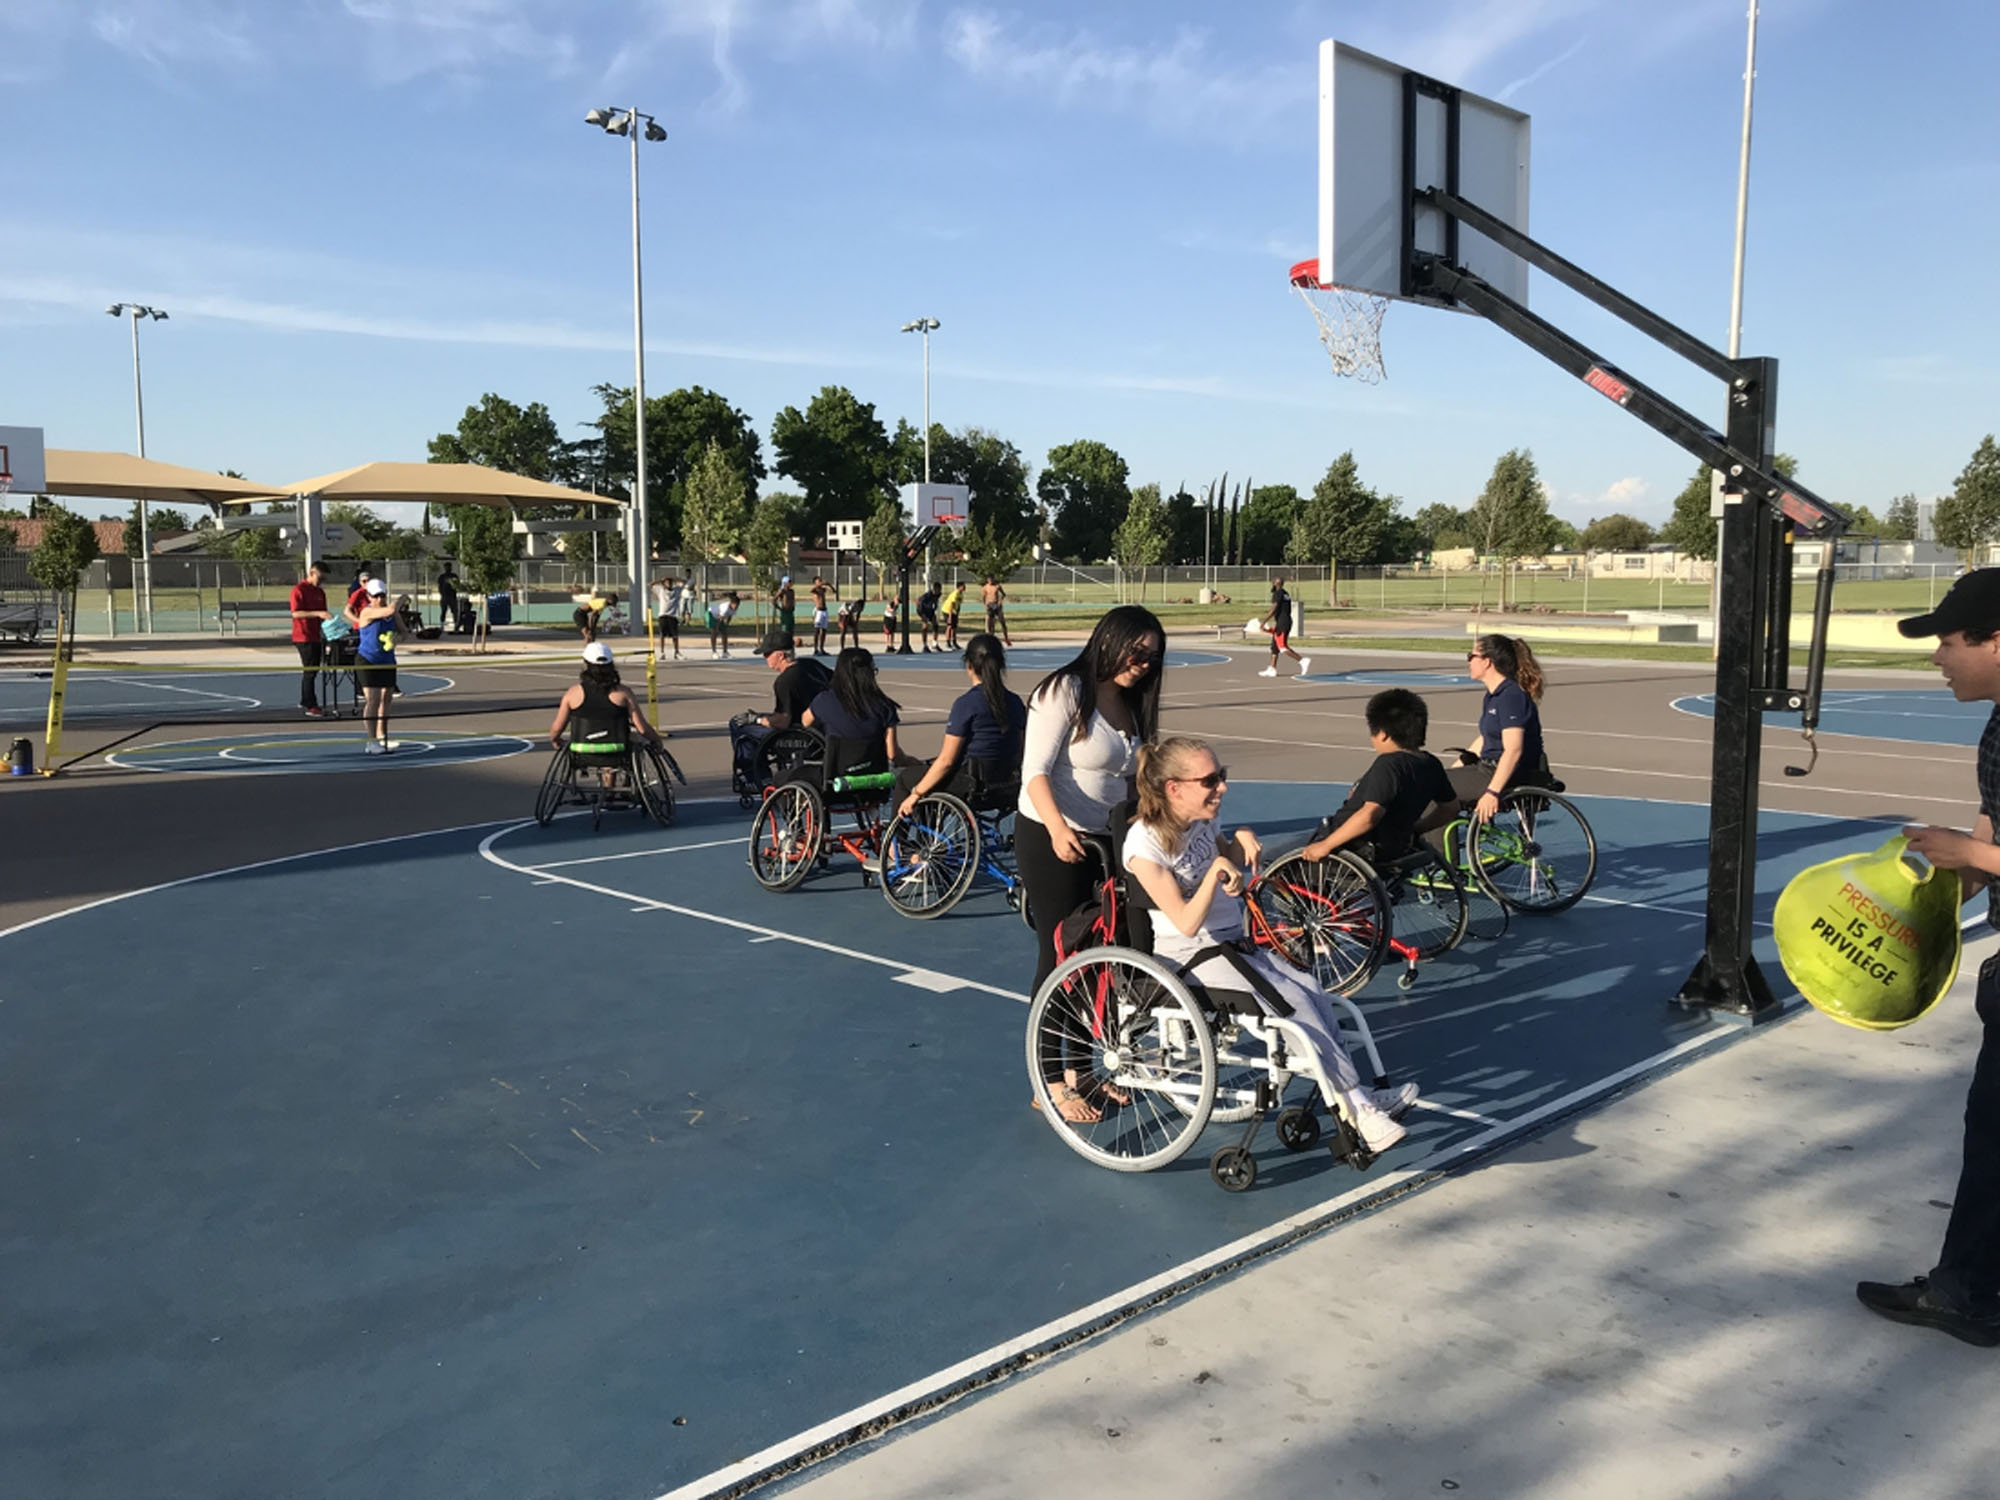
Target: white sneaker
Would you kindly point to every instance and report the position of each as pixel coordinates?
(1396, 1101)
(374, 747)
(1378, 1132)
(1305, 665)
(1268, 672)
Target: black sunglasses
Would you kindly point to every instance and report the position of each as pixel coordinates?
(1211, 781)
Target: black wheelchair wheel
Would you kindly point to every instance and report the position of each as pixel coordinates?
(1536, 853)
(1234, 1169)
(651, 780)
(555, 788)
(786, 835)
(1329, 917)
(785, 752)
(1427, 907)
(930, 857)
(1298, 1128)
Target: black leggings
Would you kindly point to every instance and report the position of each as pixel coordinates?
(1054, 889)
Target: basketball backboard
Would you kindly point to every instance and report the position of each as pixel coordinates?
(1386, 133)
(938, 504)
(23, 468)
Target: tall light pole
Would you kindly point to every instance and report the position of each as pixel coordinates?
(627, 122)
(925, 326)
(135, 312)
(1736, 288)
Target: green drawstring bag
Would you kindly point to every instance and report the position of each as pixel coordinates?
(1871, 940)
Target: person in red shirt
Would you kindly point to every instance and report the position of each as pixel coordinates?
(308, 609)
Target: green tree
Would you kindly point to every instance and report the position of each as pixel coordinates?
(1141, 539)
(1266, 522)
(9, 539)
(838, 451)
(1861, 521)
(715, 507)
(986, 463)
(1184, 518)
(985, 549)
(1084, 490)
(1899, 521)
(679, 427)
(1401, 541)
(255, 548)
(520, 440)
(1617, 533)
(365, 524)
(1691, 529)
(485, 546)
(400, 545)
(67, 547)
(1969, 517)
(164, 520)
(1442, 526)
(882, 536)
(1511, 517)
(1343, 522)
(767, 541)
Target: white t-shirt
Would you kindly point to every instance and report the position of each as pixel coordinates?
(1224, 922)
(1088, 777)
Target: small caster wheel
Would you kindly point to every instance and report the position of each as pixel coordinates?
(1298, 1129)
(1406, 980)
(1234, 1169)
(1013, 899)
(746, 803)
(867, 881)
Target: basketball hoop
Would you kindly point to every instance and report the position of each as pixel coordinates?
(1350, 322)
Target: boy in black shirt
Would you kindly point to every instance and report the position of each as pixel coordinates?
(1380, 817)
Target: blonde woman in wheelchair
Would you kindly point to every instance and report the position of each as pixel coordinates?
(1193, 882)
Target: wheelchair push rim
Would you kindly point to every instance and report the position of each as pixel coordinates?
(1120, 1020)
(1536, 854)
(1327, 917)
(929, 858)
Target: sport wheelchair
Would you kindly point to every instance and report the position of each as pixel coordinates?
(760, 758)
(609, 776)
(792, 832)
(931, 857)
(1182, 1052)
(1537, 853)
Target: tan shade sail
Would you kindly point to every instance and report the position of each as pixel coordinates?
(439, 484)
(120, 476)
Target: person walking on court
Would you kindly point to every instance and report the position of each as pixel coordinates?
(995, 598)
(820, 589)
(1279, 624)
(376, 672)
(448, 599)
(1961, 1295)
(308, 609)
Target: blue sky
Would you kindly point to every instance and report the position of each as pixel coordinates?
(362, 214)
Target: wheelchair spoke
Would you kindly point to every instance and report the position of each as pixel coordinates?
(930, 857)
(1537, 853)
(1326, 917)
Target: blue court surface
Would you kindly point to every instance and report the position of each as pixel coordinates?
(316, 752)
(532, 1161)
(1927, 715)
(94, 694)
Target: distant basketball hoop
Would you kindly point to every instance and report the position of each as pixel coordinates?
(1350, 322)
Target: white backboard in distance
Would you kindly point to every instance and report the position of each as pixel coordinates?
(21, 456)
(938, 504)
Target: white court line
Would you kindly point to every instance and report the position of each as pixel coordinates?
(1693, 916)
(1110, 1311)
(598, 859)
(930, 978)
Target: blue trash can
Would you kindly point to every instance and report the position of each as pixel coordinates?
(499, 609)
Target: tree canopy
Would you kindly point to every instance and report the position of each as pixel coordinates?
(1969, 517)
(1691, 529)
(1085, 490)
(715, 506)
(1899, 521)
(837, 451)
(67, 547)
(516, 439)
(882, 536)
(983, 461)
(1265, 523)
(1141, 539)
(679, 427)
(767, 540)
(1342, 522)
(1616, 533)
(1511, 517)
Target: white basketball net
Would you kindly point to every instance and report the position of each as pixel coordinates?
(1350, 325)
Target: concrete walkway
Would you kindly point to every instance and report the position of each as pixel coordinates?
(1651, 1300)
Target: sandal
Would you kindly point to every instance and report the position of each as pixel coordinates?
(1074, 1108)
(1105, 1088)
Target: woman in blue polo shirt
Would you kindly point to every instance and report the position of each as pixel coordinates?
(1507, 751)
(982, 734)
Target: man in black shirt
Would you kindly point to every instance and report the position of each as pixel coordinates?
(799, 682)
(1400, 786)
(1279, 624)
(1961, 1296)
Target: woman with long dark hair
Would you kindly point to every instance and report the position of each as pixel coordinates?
(1086, 722)
(982, 734)
(599, 707)
(1507, 752)
(855, 709)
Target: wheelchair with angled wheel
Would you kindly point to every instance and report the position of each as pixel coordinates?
(1537, 853)
(796, 827)
(931, 857)
(1168, 1054)
(609, 776)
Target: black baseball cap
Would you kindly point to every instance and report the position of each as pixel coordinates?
(776, 640)
(1971, 603)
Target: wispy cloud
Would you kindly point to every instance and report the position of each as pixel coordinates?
(1180, 85)
(730, 30)
(1630, 496)
(169, 34)
(1473, 38)
(406, 39)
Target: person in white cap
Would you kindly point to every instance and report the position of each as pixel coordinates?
(599, 712)
(375, 669)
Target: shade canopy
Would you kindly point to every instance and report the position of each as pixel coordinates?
(120, 476)
(439, 484)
